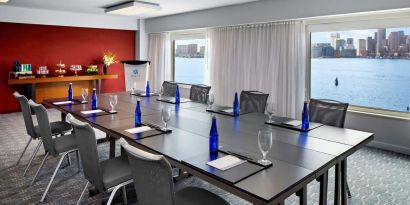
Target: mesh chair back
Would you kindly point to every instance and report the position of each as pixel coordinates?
(44, 126)
(253, 101)
(199, 93)
(87, 145)
(169, 88)
(328, 112)
(26, 110)
(152, 177)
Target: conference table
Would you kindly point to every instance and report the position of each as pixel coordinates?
(298, 158)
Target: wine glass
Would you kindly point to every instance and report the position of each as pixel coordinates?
(166, 116)
(113, 102)
(134, 87)
(269, 111)
(264, 143)
(161, 92)
(84, 94)
(210, 100)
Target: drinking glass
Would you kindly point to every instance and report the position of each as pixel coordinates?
(113, 102)
(166, 116)
(210, 100)
(264, 143)
(269, 111)
(84, 94)
(134, 88)
(161, 92)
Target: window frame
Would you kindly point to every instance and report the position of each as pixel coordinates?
(368, 20)
(184, 35)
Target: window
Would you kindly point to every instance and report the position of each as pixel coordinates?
(189, 59)
(364, 67)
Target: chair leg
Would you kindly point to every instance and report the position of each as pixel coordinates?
(24, 151)
(32, 157)
(68, 160)
(78, 160)
(124, 195)
(54, 175)
(82, 193)
(113, 193)
(39, 168)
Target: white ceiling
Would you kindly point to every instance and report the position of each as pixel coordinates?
(97, 6)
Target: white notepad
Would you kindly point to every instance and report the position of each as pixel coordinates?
(87, 112)
(138, 129)
(63, 102)
(225, 163)
(228, 110)
(294, 123)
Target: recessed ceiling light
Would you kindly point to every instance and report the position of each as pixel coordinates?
(4, 1)
(133, 8)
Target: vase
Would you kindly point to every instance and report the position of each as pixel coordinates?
(105, 69)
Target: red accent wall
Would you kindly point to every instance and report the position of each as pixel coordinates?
(47, 45)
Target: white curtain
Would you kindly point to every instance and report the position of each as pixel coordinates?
(159, 53)
(268, 57)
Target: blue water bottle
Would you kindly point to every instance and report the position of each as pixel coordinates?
(213, 137)
(70, 91)
(177, 100)
(236, 105)
(94, 100)
(147, 90)
(305, 117)
(137, 115)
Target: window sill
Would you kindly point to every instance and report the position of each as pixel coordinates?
(379, 113)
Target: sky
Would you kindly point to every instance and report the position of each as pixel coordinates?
(324, 37)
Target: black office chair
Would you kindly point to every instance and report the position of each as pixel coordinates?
(109, 175)
(329, 112)
(169, 88)
(199, 93)
(253, 101)
(58, 146)
(57, 128)
(154, 184)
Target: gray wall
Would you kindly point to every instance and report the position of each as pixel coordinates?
(266, 11)
(390, 133)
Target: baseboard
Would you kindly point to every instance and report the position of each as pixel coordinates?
(390, 147)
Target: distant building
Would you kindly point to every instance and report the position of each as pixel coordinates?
(181, 50)
(333, 38)
(394, 42)
(349, 44)
(202, 50)
(348, 53)
(192, 49)
(361, 51)
(371, 46)
(381, 36)
(322, 50)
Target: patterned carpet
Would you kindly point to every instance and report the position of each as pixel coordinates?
(375, 176)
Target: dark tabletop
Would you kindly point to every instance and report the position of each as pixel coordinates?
(296, 156)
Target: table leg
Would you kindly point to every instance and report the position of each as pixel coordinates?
(343, 182)
(99, 86)
(31, 92)
(337, 184)
(112, 146)
(63, 115)
(302, 194)
(323, 180)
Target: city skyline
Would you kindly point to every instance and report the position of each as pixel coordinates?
(369, 43)
(324, 37)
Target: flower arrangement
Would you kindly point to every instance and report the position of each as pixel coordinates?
(108, 59)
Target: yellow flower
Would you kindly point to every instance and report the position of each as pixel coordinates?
(109, 58)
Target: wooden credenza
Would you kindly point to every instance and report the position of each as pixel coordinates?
(56, 87)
